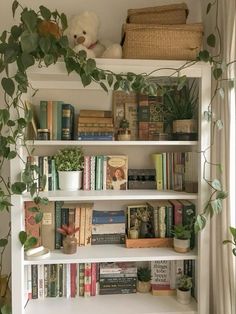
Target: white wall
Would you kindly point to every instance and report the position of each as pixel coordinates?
(112, 14)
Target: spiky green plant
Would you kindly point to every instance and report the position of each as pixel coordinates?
(144, 274)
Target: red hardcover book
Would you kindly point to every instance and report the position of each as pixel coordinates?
(87, 279)
(178, 209)
(73, 274)
(86, 173)
(93, 279)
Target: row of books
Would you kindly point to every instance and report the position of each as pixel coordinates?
(95, 125)
(56, 214)
(160, 217)
(58, 118)
(91, 279)
(105, 172)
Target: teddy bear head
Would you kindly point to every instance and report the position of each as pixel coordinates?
(83, 29)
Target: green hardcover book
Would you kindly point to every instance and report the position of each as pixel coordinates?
(81, 280)
(60, 280)
(67, 127)
(58, 236)
(188, 214)
(43, 114)
(99, 173)
(59, 119)
(169, 219)
(34, 271)
(53, 290)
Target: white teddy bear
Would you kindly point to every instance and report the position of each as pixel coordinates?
(83, 35)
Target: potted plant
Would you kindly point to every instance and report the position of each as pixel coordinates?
(184, 286)
(144, 279)
(182, 235)
(181, 108)
(124, 134)
(69, 164)
(69, 242)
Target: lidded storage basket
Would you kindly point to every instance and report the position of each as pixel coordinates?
(166, 14)
(166, 42)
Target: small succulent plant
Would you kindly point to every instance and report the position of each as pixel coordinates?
(67, 230)
(182, 232)
(184, 283)
(69, 159)
(144, 274)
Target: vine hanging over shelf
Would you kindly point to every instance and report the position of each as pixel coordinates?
(29, 43)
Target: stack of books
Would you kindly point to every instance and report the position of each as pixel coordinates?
(95, 125)
(108, 227)
(118, 278)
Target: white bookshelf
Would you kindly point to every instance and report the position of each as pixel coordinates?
(56, 79)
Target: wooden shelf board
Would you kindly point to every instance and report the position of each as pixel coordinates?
(112, 304)
(113, 195)
(112, 253)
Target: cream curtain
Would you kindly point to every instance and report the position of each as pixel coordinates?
(222, 262)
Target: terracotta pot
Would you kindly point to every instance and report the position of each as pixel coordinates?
(69, 244)
(143, 287)
(184, 297)
(181, 246)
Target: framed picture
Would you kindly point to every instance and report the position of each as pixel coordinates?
(140, 218)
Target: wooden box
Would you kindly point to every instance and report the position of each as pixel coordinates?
(148, 242)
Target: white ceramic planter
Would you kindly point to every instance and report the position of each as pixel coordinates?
(184, 297)
(181, 246)
(70, 180)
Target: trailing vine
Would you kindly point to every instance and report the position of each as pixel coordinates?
(39, 39)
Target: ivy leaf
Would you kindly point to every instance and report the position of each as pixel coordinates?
(3, 36)
(6, 309)
(45, 44)
(227, 242)
(216, 205)
(33, 189)
(86, 79)
(27, 61)
(64, 42)
(208, 7)
(48, 59)
(216, 185)
(64, 23)
(110, 79)
(217, 73)
(116, 85)
(5, 115)
(103, 86)
(44, 201)
(37, 200)
(8, 86)
(181, 82)
(207, 115)
(18, 187)
(29, 42)
(200, 223)
(46, 14)
(11, 155)
(233, 232)
(15, 5)
(82, 55)
(211, 40)
(30, 242)
(38, 217)
(222, 194)
(33, 209)
(3, 242)
(219, 124)
(22, 237)
(16, 31)
(204, 56)
(90, 66)
(30, 19)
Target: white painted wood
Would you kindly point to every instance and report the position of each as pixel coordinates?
(112, 253)
(56, 78)
(113, 195)
(112, 304)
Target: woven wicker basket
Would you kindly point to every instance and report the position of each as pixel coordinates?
(166, 42)
(166, 14)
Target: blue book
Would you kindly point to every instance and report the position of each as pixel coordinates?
(95, 138)
(108, 217)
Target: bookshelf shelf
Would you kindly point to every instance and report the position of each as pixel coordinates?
(112, 253)
(125, 304)
(113, 195)
(113, 143)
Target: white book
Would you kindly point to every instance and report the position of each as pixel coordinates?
(41, 281)
(68, 280)
(108, 228)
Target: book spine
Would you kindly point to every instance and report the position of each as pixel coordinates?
(29, 282)
(66, 122)
(34, 271)
(45, 172)
(117, 291)
(169, 220)
(58, 236)
(108, 219)
(59, 119)
(43, 115)
(108, 239)
(95, 113)
(104, 183)
(48, 225)
(95, 137)
(60, 280)
(73, 280)
(99, 173)
(86, 173)
(53, 290)
(88, 226)
(77, 224)
(49, 175)
(82, 226)
(81, 280)
(87, 279)
(162, 221)
(108, 228)
(92, 173)
(40, 281)
(97, 120)
(68, 278)
(118, 281)
(31, 227)
(46, 280)
(93, 279)
(49, 118)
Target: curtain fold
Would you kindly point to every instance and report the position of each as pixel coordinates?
(222, 262)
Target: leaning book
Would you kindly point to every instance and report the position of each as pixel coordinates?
(117, 172)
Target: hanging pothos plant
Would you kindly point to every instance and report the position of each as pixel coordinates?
(39, 39)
